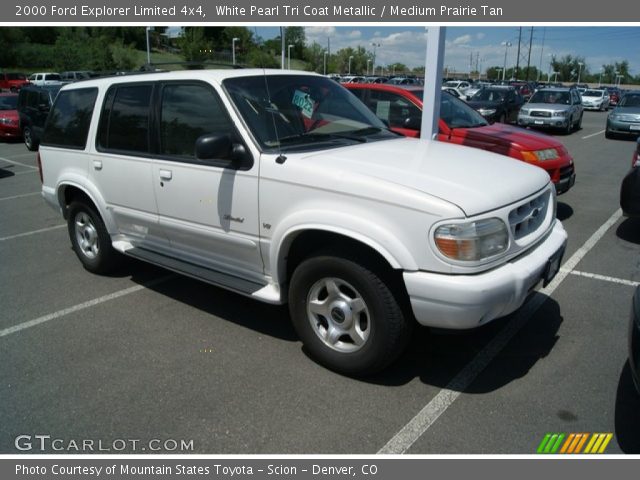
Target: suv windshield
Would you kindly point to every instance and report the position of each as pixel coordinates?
(489, 95)
(457, 114)
(550, 96)
(302, 111)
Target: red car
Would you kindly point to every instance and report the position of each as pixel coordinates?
(9, 118)
(401, 109)
(13, 81)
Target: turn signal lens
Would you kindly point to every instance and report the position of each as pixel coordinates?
(472, 241)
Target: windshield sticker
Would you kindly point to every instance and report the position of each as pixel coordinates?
(304, 102)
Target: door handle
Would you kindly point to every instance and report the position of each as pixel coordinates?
(97, 164)
(165, 174)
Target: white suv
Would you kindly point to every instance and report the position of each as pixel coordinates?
(286, 188)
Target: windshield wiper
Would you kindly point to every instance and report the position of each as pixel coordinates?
(301, 137)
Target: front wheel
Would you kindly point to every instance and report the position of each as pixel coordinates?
(90, 239)
(347, 317)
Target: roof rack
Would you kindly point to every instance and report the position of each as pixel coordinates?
(152, 67)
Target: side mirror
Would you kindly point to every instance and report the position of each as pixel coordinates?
(412, 123)
(468, 97)
(222, 149)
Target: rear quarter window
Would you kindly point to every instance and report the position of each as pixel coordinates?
(69, 119)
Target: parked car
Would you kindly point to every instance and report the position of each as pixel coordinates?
(475, 88)
(630, 188)
(74, 76)
(559, 108)
(497, 104)
(352, 79)
(13, 81)
(45, 78)
(525, 89)
(634, 340)
(595, 99)
(34, 103)
(615, 95)
(624, 119)
(196, 171)
(459, 86)
(9, 120)
(404, 81)
(401, 109)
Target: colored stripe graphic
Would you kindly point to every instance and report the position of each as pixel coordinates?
(574, 443)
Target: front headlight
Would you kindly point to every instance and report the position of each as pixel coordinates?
(486, 111)
(6, 121)
(541, 155)
(524, 111)
(472, 241)
(614, 116)
(561, 113)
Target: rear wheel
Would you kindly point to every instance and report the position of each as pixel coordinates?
(90, 239)
(569, 128)
(27, 136)
(347, 317)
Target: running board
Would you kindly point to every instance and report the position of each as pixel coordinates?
(224, 280)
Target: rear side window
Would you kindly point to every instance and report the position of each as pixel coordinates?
(69, 119)
(124, 123)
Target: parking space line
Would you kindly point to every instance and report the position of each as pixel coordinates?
(18, 163)
(29, 154)
(33, 232)
(418, 425)
(605, 278)
(593, 134)
(20, 196)
(82, 306)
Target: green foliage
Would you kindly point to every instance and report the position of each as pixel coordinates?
(260, 59)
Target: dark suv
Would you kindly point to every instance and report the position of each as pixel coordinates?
(34, 104)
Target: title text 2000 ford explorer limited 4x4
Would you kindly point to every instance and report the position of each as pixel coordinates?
(286, 188)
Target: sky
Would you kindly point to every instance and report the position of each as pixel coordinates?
(598, 45)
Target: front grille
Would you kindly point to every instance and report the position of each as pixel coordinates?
(537, 113)
(566, 172)
(528, 217)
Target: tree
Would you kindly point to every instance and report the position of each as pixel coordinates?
(194, 45)
(568, 67)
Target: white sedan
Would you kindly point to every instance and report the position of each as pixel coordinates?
(595, 100)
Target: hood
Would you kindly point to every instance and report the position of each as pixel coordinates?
(12, 114)
(475, 180)
(552, 107)
(591, 98)
(511, 137)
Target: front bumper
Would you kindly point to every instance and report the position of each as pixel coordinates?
(469, 301)
(619, 126)
(543, 122)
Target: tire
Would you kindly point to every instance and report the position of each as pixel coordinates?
(608, 134)
(29, 141)
(346, 316)
(503, 118)
(569, 128)
(579, 126)
(90, 239)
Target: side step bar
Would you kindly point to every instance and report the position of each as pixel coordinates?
(240, 285)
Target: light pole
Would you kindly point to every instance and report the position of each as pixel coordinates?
(580, 64)
(500, 70)
(374, 45)
(506, 49)
(350, 58)
(289, 57)
(233, 50)
(616, 76)
(148, 47)
(368, 63)
(325, 62)
(556, 75)
(600, 79)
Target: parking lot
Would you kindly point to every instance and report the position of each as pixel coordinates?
(147, 354)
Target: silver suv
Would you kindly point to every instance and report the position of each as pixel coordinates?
(553, 108)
